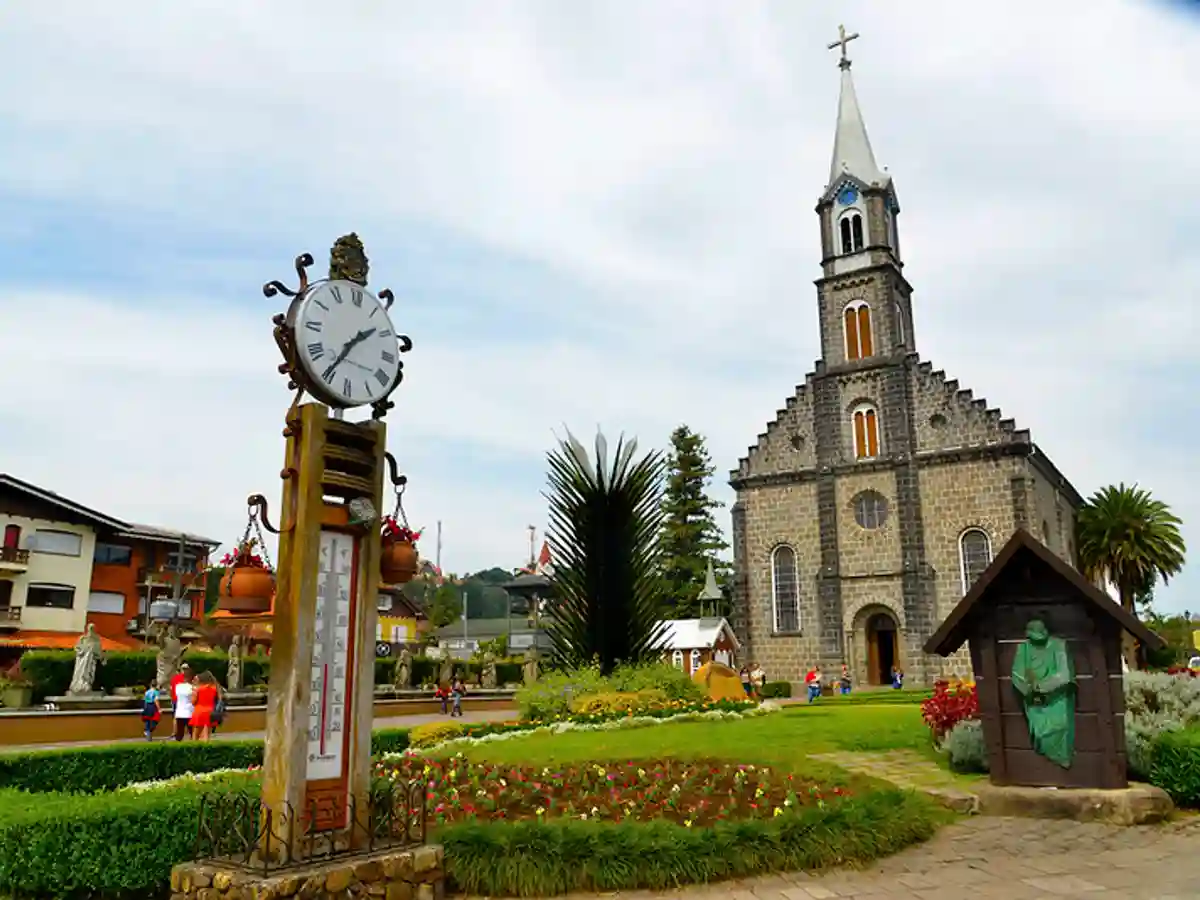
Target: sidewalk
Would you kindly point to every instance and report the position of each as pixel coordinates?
(164, 729)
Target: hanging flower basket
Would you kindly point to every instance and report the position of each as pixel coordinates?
(398, 552)
(249, 584)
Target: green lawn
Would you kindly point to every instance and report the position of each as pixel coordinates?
(783, 739)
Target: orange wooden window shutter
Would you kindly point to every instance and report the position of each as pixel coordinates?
(851, 324)
(872, 434)
(864, 330)
(860, 437)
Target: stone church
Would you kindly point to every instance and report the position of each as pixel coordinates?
(881, 489)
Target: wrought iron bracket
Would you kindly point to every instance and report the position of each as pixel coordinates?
(398, 481)
(257, 504)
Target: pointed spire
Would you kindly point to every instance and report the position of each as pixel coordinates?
(711, 591)
(852, 154)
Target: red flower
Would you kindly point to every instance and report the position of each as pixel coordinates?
(948, 706)
(396, 533)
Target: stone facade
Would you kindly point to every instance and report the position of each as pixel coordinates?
(414, 874)
(940, 463)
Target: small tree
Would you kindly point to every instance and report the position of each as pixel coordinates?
(1127, 538)
(605, 524)
(691, 536)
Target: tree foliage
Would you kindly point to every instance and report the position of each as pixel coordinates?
(1130, 540)
(691, 536)
(605, 528)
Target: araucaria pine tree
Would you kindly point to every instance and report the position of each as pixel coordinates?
(691, 536)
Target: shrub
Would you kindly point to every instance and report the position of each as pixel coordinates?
(965, 746)
(434, 733)
(86, 770)
(774, 690)
(550, 696)
(1156, 703)
(50, 670)
(950, 704)
(614, 703)
(674, 683)
(1175, 765)
(506, 859)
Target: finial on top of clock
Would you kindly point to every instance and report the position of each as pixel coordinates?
(348, 260)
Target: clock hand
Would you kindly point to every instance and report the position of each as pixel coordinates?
(349, 345)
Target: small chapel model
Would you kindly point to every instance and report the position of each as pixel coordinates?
(874, 499)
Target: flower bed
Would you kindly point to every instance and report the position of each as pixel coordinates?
(951, 703)
(692, 793)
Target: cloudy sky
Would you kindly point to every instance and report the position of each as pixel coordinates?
(591, 213)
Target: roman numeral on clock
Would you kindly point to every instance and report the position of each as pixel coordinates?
(381, 376)
(337, 294)
(356, 297)
(327, 375)
(347, 388)
(314, 325)
(387, 357)
(316, 351)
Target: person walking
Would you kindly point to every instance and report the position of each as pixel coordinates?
(813, 681)
(458, 690)
(845, 679)
(744, 674)
(204, 705)
(758, 679)
(897, 678)
(151, 714)
(182, 707)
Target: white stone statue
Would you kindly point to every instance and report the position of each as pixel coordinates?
(402, 672)
(487, 677)
(531, 665)
(446, 670)
(88, 653)
(233, 673)
(170, 655)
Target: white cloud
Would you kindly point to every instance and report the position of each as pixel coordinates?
(662, 160)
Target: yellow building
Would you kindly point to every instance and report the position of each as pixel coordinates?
(400, 621)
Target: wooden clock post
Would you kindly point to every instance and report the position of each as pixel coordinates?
(317, 758)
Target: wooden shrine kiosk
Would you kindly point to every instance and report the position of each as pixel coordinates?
(1045, 647)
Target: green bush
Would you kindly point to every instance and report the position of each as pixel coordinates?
(674, 683)
(551, 696)
(773, 690)
(87, 770)
(1175, 766)
(51, 670)
(119, 845)
(965, 747)
(1156, 703)
(533, 859)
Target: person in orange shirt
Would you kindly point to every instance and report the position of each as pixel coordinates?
(205, 704)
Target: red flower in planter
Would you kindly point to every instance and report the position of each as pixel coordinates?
(394, 532)
(949, 705)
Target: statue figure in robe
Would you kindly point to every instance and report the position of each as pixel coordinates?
(1044, 678)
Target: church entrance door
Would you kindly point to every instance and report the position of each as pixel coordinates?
(882, 648)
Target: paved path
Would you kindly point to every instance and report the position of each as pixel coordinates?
(983, 858)
(164, 728)
(909, 769)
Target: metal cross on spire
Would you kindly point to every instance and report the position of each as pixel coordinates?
(842, 41)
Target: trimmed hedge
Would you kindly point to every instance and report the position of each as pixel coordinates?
(89, 770)
(51, 670)
(124, 845)
(1175, 766)
(537, 859)
(774, 690)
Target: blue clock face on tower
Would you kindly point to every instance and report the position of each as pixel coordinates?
(847, 195)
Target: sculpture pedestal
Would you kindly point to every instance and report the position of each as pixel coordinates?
(416, 874)
(1138, 804)
(94, 700)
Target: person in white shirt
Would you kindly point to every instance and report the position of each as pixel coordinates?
(183, 708)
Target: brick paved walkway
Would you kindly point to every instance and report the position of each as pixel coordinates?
(985, 858)
(908, 769)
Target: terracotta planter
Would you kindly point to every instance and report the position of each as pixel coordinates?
(248, 590)
(398, 562)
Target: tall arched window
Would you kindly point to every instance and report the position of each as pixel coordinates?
(898, 311)
(695, 661)
(856, 320)
(974, 555)
(785, 590)
(866, 432)
(850, 230)
(677, 659)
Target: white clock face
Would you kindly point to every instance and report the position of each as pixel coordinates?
(346, 343)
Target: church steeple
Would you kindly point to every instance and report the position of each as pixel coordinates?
(852, 154)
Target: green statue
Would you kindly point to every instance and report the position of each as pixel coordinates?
(1045, 679)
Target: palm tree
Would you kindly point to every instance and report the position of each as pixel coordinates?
(605, 524)
(1130, 540)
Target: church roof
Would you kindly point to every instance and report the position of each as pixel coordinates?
(694, 634)
(852, 154)
(1023, 546)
